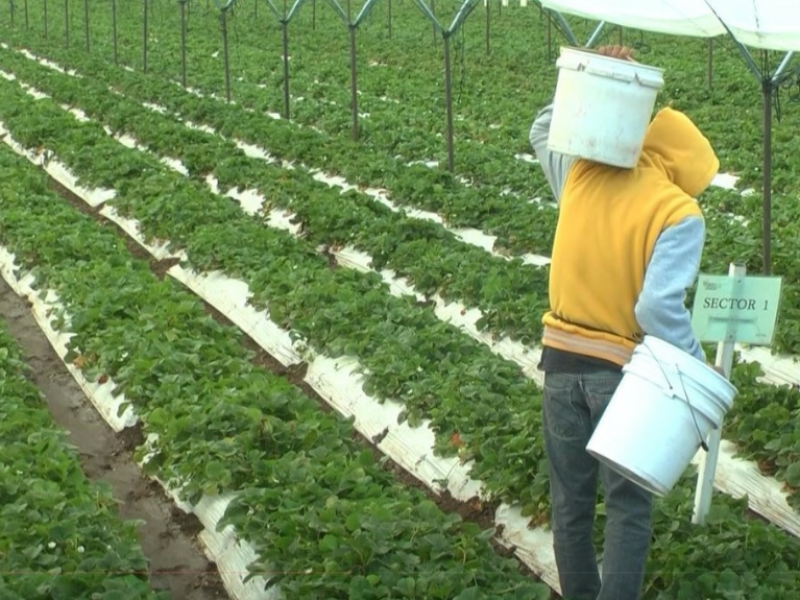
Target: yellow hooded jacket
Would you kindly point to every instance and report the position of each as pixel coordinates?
(628, 241)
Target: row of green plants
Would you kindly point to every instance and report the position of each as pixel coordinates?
(512, 285)
(506, 216)
(326, 518)
(407, 353)
(60, 533)
(519, 226)
(511, 294)
(400, 78)
(433, 260)
(223, 424)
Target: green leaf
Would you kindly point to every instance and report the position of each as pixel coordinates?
(406, 586)
(352, 522)
(216, 471)
(329, 543)
(792, 474)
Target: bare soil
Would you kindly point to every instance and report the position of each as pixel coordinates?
(168, 536)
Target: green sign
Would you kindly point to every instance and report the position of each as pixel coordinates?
(736, 309)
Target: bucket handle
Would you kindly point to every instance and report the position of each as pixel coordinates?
(685, 394)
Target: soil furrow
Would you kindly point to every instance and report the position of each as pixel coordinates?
(167, 535)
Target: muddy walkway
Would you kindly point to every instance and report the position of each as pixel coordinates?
(168, 535)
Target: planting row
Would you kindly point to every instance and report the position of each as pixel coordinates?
(402, 121)
(509, 295)
(330, 218)
(495, 92)
(172, 143)
(520, 226)
(216, 426)
(408, 354)
(60, 534)
(685, 491)
(517, 223)
(326, 519)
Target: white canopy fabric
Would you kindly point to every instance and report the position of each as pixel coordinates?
(765, 24)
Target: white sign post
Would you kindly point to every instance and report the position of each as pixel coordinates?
(728, 310)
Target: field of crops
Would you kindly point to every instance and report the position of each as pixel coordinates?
(306, 363)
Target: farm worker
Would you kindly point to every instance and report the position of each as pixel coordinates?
(627, 246)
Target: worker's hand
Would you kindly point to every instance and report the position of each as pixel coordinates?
(621, 52)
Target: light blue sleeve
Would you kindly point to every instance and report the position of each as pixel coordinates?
(556, 166)
(661, 309)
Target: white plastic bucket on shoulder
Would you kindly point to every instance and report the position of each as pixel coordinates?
(665, 406)
(602, 107)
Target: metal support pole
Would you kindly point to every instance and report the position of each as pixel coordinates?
(769, 85)
(448, 99)
(223, 18)
(748, 58)
(390, 19)
(596, 34)
(45, 19)
(710, 65)
(353, 73)
(708, 466)
(766, 174)
(549, 37)
(114, 30)
(780, 71)
(767, 88)
(354, 80)
(27, 20)
(183, 42)
(565, 28)
(488, 18)
(66, 22)
(144, 38)
(285, 27)
(86, 23)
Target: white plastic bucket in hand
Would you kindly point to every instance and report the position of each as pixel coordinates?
(665, 406)
(602, 107)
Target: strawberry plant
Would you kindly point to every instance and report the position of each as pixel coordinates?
(470, 390)
(225, 425)
(407, 354)
(60, 534)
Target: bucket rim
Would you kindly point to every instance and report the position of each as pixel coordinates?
(691, 361)
(710, 405)
(600, 65)
(732, 390)
(566, 50)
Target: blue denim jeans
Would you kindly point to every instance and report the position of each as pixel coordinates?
(573, 405)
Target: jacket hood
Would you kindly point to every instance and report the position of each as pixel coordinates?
(675, 146)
